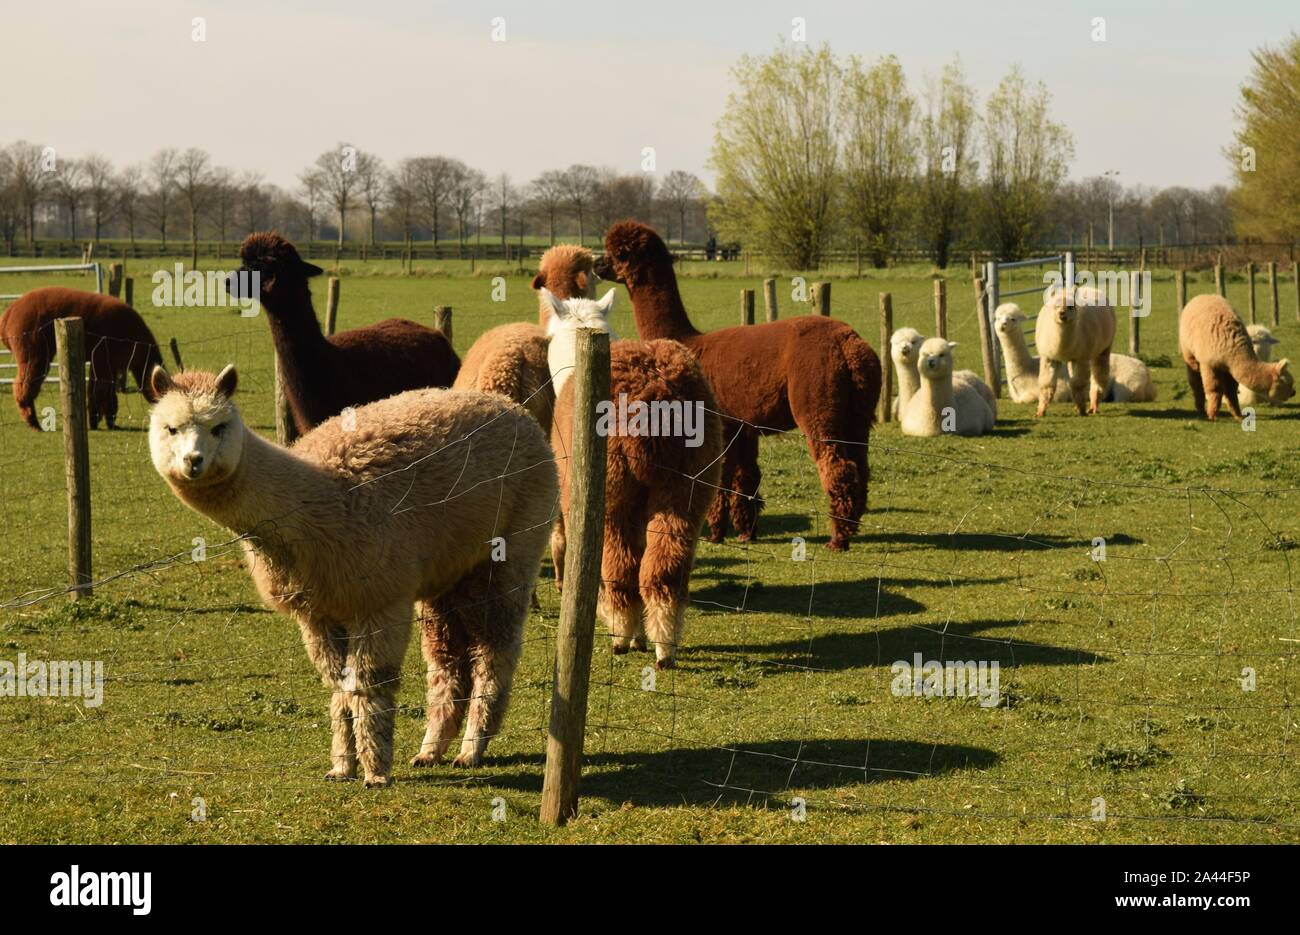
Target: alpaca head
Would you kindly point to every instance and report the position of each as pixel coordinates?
(1008, 318)
(934, 360)
(566, 270)
(904, 344)
(1063, 306)
(1282, 386)
(1262, 340)
(281, 273)
(196, 436)
(632, 249)
(567, 316)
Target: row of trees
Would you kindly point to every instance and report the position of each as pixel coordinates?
(347, 193)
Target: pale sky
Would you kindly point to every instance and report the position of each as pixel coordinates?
(277, 82)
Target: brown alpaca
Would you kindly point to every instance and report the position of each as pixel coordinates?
(117, 340)
(658, 487)
(1219, 355)
(566, 270)
(511, 360)
(323, 376)
(811, 372)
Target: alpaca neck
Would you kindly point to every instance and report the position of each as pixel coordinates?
(657, 305)
(937, 393)
(305, 356)
(1254, 373)
(1016, 353)
(909, 381)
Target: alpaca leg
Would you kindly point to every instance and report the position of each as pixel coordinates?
(1198, 388)
(1049, 371)
(1211, 381)
(664, 577)
(717, 518)
(27, 384)
(1230, 394)
(493, 673)
(343, 745)
(845, 487)
(1080, 373)
(558, 546)
(1099, 379)
(446, 654)
(327, 646)
(374, 667)
(744, 481)
(620, 600)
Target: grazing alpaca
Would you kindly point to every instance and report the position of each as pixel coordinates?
(1262, 340)
(511, 360)
(811, 372)
(658, 486)
(323, 376)
(399, 503)
(1075, 327)
(940, 407)
(1219, 356)
(904, 347)
(117, 340)
(567, 272)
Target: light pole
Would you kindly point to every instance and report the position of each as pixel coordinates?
(1110, 210)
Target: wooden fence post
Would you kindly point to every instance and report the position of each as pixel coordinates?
(585, 530)
(128, 291)
(1180, 289)
(1219, 287)
(992, 376)
(1250, 278)
(70, 340)
(115, 280)
(1295, 280)
(941, 308)
(746, 306)
(886, 404)
(1272, 292)
(332, 305)
(442, 320)
(1134, 323)
(769, 299)
(821, 294)
(286, 430)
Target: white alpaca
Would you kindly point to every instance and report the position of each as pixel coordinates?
(568, 315)
(904, 346)
(940, 407)
(1075, 327)
(1261, 338)
(1022, 368)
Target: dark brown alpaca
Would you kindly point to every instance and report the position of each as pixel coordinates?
(323, 376)
(811, 372)
(117, 341)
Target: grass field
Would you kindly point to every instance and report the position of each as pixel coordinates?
(1119, 680)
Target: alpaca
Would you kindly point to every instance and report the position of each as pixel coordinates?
(904, 345)
(1262, 340)
(117, 340)
(1075, 327)
(808, 372)
(323, 376)
(511, 360)
(939, 406)
(1217, 350)
(661, 476)
(567, 271)
(436, 498)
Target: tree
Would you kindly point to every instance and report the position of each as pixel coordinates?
(879, 158)
(403, 195)
(162, 180)
(1026, 154)
(337, 172)
(223, 201)
(372, 187)
(99, 190)
(503, 201)
(466, 189)
(30, 179)
(194, 185)
(548, 192)
(128, 188)
(434, 178)
(70, 191)
(253, 203)
(947, 148)
(680, 192)
(312, 186)
(577, 186)
(1266, 159)
(10, 212)
(775, 151)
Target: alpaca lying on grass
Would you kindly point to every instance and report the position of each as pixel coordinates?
(904, 347)
(117, 341)
(658, 487)
(1262, 340)
(939, 406)
(808, 372)
(398, 504)
(1076, 327)
(323, 376)
(1219, 356)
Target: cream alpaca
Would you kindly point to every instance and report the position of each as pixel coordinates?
(904, 345)
(939, 407)
(1262, 340)
(406, 501)
(511, 360)
(1219, 356)
(1075, 327)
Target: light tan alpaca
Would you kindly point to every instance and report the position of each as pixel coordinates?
(1262, 340)
(1076, 327)
(511, 360)
(904, 346)
(1022, 368)
(939, 407)
(1219, 356)
(433, 498)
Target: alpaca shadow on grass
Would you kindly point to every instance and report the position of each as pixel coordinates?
(837, 652)
(994, 542)
(751, 773)
(822, 599)
(1001, 430)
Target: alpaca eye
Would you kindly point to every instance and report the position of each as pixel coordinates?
(217, 430)
(171, 430)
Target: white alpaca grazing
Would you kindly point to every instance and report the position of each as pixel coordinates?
(904, 346)
(1262, 340)
(1076, 327)
(940, 407)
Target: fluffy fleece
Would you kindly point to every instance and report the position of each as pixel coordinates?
(323, 376)
(567, 271)
(117, 341)
(939, 406)
(1262, 340)
(511, 360)
(657, 488)
(808, 372)
(392, 506)
(1075, 327)
(904, 347)
(1219, 356)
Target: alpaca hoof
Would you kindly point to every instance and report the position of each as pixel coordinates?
(466, 761)
(717, 538)
(378, 782)
(668, 663)
(838, 545)
(619, 649)
(425, 760)
(340, 775)
(640, 645)
(745, 537)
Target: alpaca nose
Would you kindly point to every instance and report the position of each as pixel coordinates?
(193, 462)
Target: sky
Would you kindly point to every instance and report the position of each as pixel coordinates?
(277, 82)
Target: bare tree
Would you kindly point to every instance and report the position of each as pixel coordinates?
(949, 171)
(70, 191)
(578, 186)
(434, 178)
(10, 212)
(403, 196)
(312, 187)
(162, 183)
(503, 201)
(99, 190)
(32, 176)
(372, 188)
(548, 192)
(223, 201)
(680, 192)
(253, 210)
(194, 185)
(466, 190)
(338, 171)
(128, 188)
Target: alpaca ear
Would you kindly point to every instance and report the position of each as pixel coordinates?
(539, 281)
(310, 269)
(951, 345)
(1284, 365)
(606, 303)
(581, 280)
(227, 380)
(159, 383)
(557, 307)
